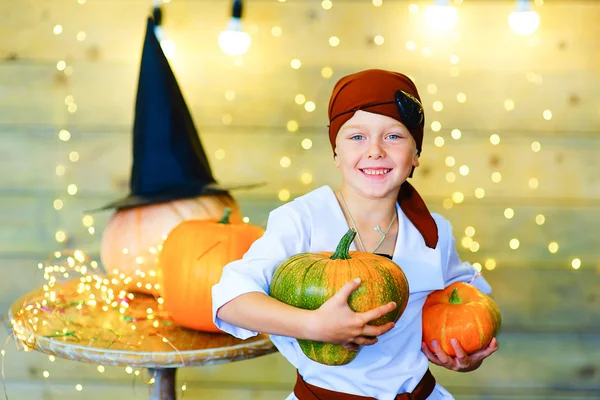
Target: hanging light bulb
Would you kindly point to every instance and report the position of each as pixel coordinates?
(524, 21)
(233, 40)
(442, 15)
(167, 45)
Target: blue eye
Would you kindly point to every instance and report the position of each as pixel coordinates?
(357, 137)
(395, 136)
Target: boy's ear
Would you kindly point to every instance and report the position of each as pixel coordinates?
(416, 162)
(336, 160)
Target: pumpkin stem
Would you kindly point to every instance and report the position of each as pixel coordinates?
(454, 299)
(343, 247)
(225, 218)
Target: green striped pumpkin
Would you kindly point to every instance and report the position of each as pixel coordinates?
(307, 280)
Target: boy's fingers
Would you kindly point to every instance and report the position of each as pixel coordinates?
(371, 330)
(378, 312)
(428, 353)
(441, 354)
(365, 341)
(346, 290)
(458, 350)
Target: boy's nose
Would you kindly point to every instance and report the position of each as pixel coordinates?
(376, 151)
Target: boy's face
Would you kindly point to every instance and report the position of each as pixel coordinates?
(375, 154)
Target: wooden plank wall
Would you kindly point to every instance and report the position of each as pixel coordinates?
(551, 336)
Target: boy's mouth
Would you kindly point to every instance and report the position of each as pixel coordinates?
(375, 171)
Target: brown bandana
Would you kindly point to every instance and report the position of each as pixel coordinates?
(361, 91)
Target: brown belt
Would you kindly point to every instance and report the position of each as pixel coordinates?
(306, 391)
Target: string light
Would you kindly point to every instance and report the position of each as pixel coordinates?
(326, 72)
(292, 126)
(524, 21)
(234, 41)
(458, 197)
(490, 264)
(326, 4)
(285, 162)
(540, 219)
(310, 106)
(220, 154)
(284, 195)
(306, 144)
(306, 178)
(441, 16)
(533, 183)
(276, 31)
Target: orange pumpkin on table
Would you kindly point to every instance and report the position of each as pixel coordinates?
(463, 312)
(192, 260)
(133, 236)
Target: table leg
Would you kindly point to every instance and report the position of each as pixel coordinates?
(163, 387)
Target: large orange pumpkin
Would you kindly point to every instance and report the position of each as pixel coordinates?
(308, 280)
(133, 237)
(192, 259)
(463, 312)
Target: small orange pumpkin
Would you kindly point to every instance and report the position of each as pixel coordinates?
(463, 312)
(132, 238)
(192, 260)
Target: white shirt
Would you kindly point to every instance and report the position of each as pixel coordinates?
(315, 222)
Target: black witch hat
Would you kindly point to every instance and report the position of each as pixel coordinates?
(169, 162)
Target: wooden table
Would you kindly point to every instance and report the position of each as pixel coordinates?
(72, 328)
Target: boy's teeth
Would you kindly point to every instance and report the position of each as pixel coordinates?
(376, 171)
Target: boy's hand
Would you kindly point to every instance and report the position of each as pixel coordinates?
(335, 322)
(462, 362)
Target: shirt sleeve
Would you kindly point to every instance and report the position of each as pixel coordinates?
(287, 233)
(462, 271)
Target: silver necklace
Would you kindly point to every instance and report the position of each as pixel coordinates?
(376, 228)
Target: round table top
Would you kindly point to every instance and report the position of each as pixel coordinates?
(140, 335)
